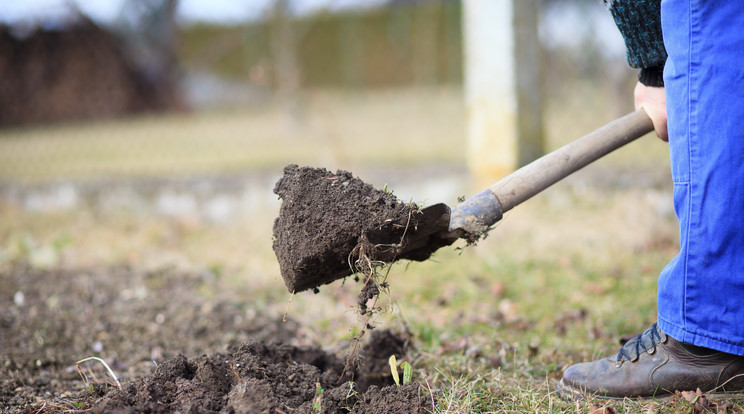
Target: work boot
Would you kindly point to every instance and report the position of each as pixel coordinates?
(651, 365)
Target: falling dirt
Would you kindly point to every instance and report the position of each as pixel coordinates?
(324, 217)
(175, 350)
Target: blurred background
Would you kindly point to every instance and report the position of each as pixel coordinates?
(151, 132)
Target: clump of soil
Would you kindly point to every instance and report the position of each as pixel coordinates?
(265, 377)
(324, 217)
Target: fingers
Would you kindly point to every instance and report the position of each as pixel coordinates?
(653, 101)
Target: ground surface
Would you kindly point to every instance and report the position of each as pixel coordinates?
(139, 271)
(152, 328)
(489, 329)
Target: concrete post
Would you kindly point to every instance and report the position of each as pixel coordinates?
(502, 86)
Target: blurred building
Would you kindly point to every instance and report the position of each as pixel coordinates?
(76, 69)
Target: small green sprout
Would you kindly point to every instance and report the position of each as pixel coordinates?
(318, 396)
(407, 371)
(394, 369)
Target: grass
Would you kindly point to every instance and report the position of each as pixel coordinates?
(335, 130)
(558, 280)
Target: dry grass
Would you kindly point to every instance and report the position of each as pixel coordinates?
(334, 130)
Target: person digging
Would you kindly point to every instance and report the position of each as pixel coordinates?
(691, 56)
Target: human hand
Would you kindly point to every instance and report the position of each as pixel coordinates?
(653, 100)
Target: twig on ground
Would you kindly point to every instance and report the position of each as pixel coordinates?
(431, 394)
(232, 368)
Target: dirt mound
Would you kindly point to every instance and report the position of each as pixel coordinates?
(261, 377)
(151, 327)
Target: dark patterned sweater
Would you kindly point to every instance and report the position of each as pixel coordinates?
(639, 22)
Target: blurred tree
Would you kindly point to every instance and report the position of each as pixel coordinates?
(425, 29)
(148, 28)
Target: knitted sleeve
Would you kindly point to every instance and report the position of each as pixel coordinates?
(639, 22)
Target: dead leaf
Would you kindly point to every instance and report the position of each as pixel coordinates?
(509, 310)
(601, 409)
(652, 408)
(498, 289)
(594, 288)
(688, 396)
(697, 400)
(564, 320)
(495, 361)
(459, 346)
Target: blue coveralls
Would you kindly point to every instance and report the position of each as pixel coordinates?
(701, 292)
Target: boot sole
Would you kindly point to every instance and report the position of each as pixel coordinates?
(569, 393)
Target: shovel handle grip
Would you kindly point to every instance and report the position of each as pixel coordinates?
(540, 174)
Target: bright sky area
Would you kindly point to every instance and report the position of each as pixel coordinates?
(563, 24)
(188, 10)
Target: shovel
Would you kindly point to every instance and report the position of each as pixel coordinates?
(439, 225)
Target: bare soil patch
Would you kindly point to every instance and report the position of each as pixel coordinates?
(175, 349)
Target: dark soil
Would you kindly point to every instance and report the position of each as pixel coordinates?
(260, 377)
(175, 350)
(327, 221)
(321, 219)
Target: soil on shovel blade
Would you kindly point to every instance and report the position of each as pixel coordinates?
(324, 217)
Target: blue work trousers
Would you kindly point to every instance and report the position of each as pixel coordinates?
(701, 291)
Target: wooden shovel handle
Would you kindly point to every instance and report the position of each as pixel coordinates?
(538, 175)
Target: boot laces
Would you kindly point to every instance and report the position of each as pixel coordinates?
(645, 342)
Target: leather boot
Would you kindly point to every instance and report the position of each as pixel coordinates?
(651, 365)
